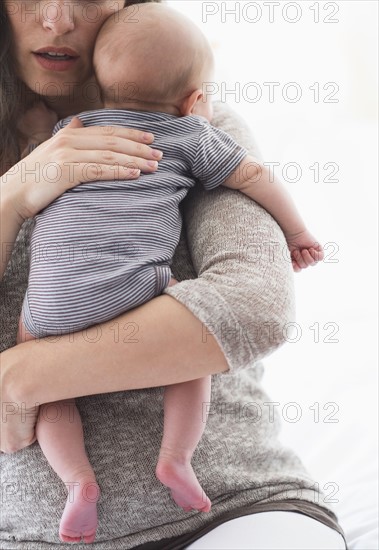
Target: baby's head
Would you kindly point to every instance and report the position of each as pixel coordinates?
(153, 58)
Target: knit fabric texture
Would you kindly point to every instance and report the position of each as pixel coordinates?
(235, 277)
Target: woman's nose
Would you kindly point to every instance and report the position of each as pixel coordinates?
(58, 16)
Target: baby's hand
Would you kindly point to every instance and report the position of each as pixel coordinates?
(304, 250)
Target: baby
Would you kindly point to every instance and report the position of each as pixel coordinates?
(111, 243)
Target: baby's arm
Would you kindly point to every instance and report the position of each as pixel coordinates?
(254, 180)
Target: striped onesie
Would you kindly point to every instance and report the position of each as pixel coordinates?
(105, 247)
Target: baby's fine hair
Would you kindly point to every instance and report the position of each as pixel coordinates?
(151, 54)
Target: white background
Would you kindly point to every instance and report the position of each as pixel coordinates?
(340, 55)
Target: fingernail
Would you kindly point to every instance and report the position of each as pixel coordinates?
(147, 136)
(152, 163)
(157, 154)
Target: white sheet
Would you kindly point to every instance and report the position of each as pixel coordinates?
(341, 456)
(340, 296)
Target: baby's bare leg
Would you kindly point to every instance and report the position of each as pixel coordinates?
(60, 434)
(184, 422)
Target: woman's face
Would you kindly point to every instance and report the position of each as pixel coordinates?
(66, 27)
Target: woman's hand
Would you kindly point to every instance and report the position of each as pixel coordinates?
(17, 425)
(76, 155)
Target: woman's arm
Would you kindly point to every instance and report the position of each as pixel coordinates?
(230, 316)
(244, 292)
(156, 344)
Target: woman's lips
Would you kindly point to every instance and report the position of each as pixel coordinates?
(59, 50)
(63, 59)
(55, 64)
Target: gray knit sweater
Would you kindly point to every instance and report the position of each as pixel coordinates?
(235, 279)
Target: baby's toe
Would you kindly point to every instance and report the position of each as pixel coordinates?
(66, 538)
(89, 538)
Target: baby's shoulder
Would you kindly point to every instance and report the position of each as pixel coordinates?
(189, 123)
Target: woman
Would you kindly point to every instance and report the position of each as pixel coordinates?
(220, 323)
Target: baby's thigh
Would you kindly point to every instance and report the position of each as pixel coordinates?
(22, 334)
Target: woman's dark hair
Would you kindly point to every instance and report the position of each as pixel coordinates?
(15, 97)
(10, 97)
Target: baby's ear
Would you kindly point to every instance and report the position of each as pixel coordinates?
(188, 106)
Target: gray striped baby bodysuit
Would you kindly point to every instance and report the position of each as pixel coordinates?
(105, 247)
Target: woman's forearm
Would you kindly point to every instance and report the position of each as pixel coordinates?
(157, 344)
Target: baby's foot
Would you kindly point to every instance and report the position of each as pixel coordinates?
(178, 475)
(79, 517)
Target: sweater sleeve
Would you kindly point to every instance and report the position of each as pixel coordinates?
(243, 293)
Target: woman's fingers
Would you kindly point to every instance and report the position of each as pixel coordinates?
(112, 149)
(133, 152)
(76, 155)
(126, 133)
(106, 157)
(111, 131)
(95, 171)
(80, 140)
